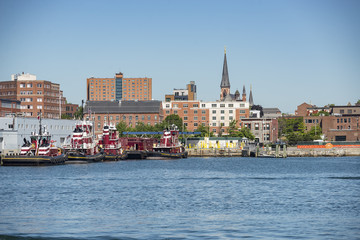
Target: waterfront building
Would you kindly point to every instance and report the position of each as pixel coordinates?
(215, 115)
(14, 129)
(8, 106)
(264, 129)
(119, 88)
(34, 95)
(130, 112)
(183, 94)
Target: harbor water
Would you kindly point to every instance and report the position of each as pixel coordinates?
(193, 198)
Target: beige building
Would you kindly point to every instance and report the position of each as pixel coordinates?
(119, 88)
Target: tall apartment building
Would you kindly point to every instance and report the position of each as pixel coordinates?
(34, 95)
(119, 88)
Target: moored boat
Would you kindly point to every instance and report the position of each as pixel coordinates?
(81, 146)
(110, 144)
(169, 146)
(39, 151)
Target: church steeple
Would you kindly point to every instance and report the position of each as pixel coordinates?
(225, 83)
(251, 101)
(244, 94)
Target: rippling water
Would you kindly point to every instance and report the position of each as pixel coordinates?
(194, 198)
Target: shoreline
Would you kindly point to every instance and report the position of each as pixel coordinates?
(290, 152)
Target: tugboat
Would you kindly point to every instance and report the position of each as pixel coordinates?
(39, 151)
(81, 146)
(169, 146)
(110, 144)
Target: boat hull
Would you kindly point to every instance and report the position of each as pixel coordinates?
(134, 154)
(75, 158)
(162, 155)
(20, 160)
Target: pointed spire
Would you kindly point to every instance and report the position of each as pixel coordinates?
(225, 83)
(251, 101)
(244, 92)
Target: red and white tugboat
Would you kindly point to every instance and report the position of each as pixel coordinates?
(40, 150)
(169, 146)
(81, 146)
(110, 144)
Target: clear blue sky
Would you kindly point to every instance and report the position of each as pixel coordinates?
(290, 51)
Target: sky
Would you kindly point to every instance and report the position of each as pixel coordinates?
(289, 51)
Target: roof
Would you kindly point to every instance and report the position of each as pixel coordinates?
(271, 110)
(152, 106)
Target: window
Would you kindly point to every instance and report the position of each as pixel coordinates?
(185, 112)
(213, 118)
(195, 118)
(175, 112)
(175, 105)
(203, 118)
(222, 105)
(242, 105)
(195, 124)
(231, 105)
(195, 105)
(214, 111)
(222, 118)
(230, 111)
(222, 111)
(256, 126)
(167, 112)
(203, 112)
(185, 118)
(99, 118)
(213, 105)
(185, 105)
(242, 111)
(195, 112)
(231, 118)
(167, 105)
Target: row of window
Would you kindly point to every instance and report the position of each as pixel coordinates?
(343, 120)
(117, 118)
(30, 85)
(195, 105)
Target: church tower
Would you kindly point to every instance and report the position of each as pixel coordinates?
(251, 100)
(244, 94)
(225, 83)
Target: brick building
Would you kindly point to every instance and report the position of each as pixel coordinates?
(264, 129)
(131, 112)
(216, 115)
(119, 88)
(335, 127)
(70, 109)
(8, 106)
(183, 94)
(34, 95)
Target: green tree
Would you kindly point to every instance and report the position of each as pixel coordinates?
(121, 127)
(65, 116)
(246, 132)
(232, 129)
(205, 131)
(173, 119)
(79, 113)
(321, 113)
